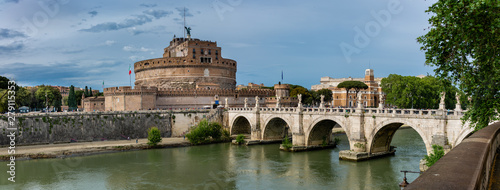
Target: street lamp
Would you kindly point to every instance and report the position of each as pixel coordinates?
(405, 183)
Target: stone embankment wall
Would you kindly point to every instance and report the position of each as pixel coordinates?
(467, 166)
(96, 126)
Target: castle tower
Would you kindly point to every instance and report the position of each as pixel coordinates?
(369, 75)
(188, 63)
(282, 90)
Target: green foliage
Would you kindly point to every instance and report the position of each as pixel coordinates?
(86, 92)
(78, 97)
(286, 143)
(90, 92)
(463, 44)
(437, 153)
(356, 85)
(72, 105)
(4, 82)
(154, 136)
(421, 93)
(324, 142)
(327, 93)
(240, 139)
(205, 132)
(336, 140)
(53, 96)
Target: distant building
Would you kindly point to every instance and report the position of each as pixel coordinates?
(93, 103)
(250, 86)
(370, 97)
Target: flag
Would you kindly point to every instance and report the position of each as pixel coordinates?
(281, 75)
(129, 69)
(103, 84)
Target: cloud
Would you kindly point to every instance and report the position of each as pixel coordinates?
(181, 11)
(134, 49)
(148, 5)
(130, 22)
(13, 47)
(109, 42)
(93, 13)
(157, 13)
(12, 1)
(8, 33)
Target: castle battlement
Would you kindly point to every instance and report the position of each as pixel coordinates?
(129, 91)
(174, 62)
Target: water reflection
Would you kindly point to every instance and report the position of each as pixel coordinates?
(224, 166)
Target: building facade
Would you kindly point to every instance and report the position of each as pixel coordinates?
(371, 97)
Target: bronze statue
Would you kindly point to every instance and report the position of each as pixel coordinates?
(188, 30)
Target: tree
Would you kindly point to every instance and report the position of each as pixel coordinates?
(463, 44)
(53, 96)
(356, 85)
(23, 97)
(419, 93)
(327, 93)
(72, 105)
(90, 92)
(86, 92)
(78, 95)
(154, 136)
(296, 90)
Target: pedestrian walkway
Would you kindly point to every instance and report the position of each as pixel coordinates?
(54, 150)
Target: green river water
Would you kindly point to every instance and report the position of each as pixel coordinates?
(223, 166)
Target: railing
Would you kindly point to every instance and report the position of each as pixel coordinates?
(375, 111)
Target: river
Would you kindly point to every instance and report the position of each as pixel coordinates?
(223, 166)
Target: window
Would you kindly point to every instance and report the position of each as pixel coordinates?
(194, 51)
(350, 97)
(194, 56)
(209, 52)
(201, 50)
(216, 52)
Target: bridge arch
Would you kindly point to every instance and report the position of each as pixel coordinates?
(241, 125)
(275, 128)
(381, 136)
(464, 133)
(321, 128)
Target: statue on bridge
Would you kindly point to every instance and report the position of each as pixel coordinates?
(278, 99)
(299, 96)
(441, 103)
(458, 106)
(227, 105)
(246, 101)
(322, 104)
(256, 101)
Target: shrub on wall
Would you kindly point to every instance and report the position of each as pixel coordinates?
(240, 139)
(206, 132)
(437, 153)
(154, 136)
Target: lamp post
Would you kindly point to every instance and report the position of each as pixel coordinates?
(405, 183)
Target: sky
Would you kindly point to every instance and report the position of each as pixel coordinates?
(83, 43)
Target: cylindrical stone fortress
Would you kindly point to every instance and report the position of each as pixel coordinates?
(187, 63)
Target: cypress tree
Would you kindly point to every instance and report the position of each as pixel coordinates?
(72, 98)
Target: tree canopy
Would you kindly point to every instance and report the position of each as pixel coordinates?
(72, 105)
(419, 93)
(356, 85)
(462, 43)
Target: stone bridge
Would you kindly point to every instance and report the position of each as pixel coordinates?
(369, 130)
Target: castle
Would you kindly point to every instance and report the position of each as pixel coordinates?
(191, 74)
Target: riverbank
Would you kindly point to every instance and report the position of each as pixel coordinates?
(86, 148)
